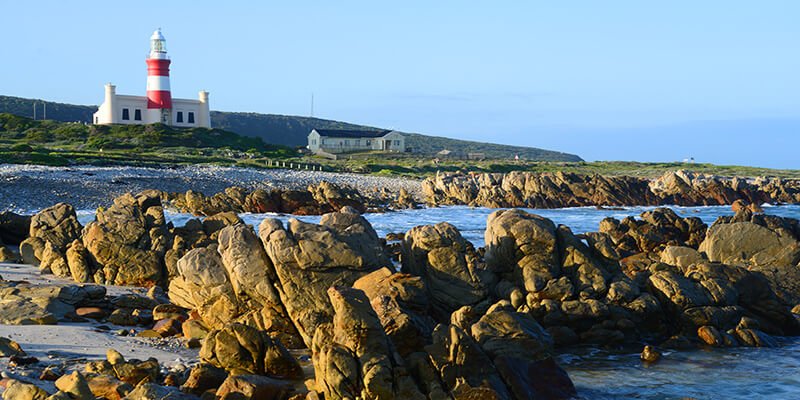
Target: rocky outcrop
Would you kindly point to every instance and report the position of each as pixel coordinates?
(762, 243)
(310, 258)
(559, 189)
(22, 303)
(233, 281)
(128, 240)
(354, 358)
(452, 270)
(241, 349)
(316, 199)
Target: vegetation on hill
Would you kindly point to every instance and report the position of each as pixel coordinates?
(288, 130)
(23, 140)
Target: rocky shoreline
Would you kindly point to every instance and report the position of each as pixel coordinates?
(558, 190)
(318, 311)
(29, 188)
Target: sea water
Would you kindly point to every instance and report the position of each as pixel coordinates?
(752, 373)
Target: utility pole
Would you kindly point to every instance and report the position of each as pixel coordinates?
(45, 110)
(312, 104)
(34, 111)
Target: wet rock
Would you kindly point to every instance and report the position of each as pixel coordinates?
(152, 391)
(650, 354)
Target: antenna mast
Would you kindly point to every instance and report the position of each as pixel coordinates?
(312, 104)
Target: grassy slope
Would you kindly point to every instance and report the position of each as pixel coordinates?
(292, 131)
(23, 140)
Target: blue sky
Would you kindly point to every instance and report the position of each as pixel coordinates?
(632, 80)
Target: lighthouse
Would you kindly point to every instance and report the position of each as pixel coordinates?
(157, 106)
(159, 98)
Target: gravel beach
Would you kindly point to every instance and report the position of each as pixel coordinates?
(29, 188)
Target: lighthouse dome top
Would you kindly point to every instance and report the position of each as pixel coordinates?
(158, 45)
(157, 35)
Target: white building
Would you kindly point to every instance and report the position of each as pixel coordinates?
(348, 141)
(157, 106)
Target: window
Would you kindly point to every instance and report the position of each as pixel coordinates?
(137, 114)
(368, 142)
(191, 117)
(347, 143)
(397, 143)
(96, 119)
(313, 141)
(180, 116)
(126, 114)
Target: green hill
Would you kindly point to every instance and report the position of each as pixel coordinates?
(292, 131)
(23, 140)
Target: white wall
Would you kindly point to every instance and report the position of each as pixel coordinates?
(110, 112)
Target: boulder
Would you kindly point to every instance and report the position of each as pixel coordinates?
(203, 377)
(9, 348)
(129, 239)
(243, 349)
(253, 387)
(152, 391)
(746, 243)
(356, 358)
(75, 386)
(309, 258)
(449, 266)
(402, 304)
(57, 224)
(14, 228)
(78, 262)
(681, 256)
(18, 390)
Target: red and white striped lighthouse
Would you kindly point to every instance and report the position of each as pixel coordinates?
(159, 98)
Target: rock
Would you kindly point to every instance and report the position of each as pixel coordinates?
(31, 250)
(152, 391)
(521, 350)
(310, 258)
(129, 240)
(402, 304)
(6, 255)
(746, 243)
(710, 336)
(650, 354)
(523, 244)
(194, 329)
(10, 348)
(134, 372)
(75, 385)
(21, 361)
(169, 311)
(355, 358)
(449, 266)
(53, 261)
(17, 390)
(51, 373)
(203, 377)
(114, 357)
(57, 224)
(14, 228)
(91, 312)
(681, 256)
(460, 361)
(253, 387)
(168, 327)
(108, 387)
(245, 349)
(78, 262)
(215, 223)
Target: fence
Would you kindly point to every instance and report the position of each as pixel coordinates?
(293, 165)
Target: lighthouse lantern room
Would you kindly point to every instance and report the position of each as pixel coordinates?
(158, 106)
